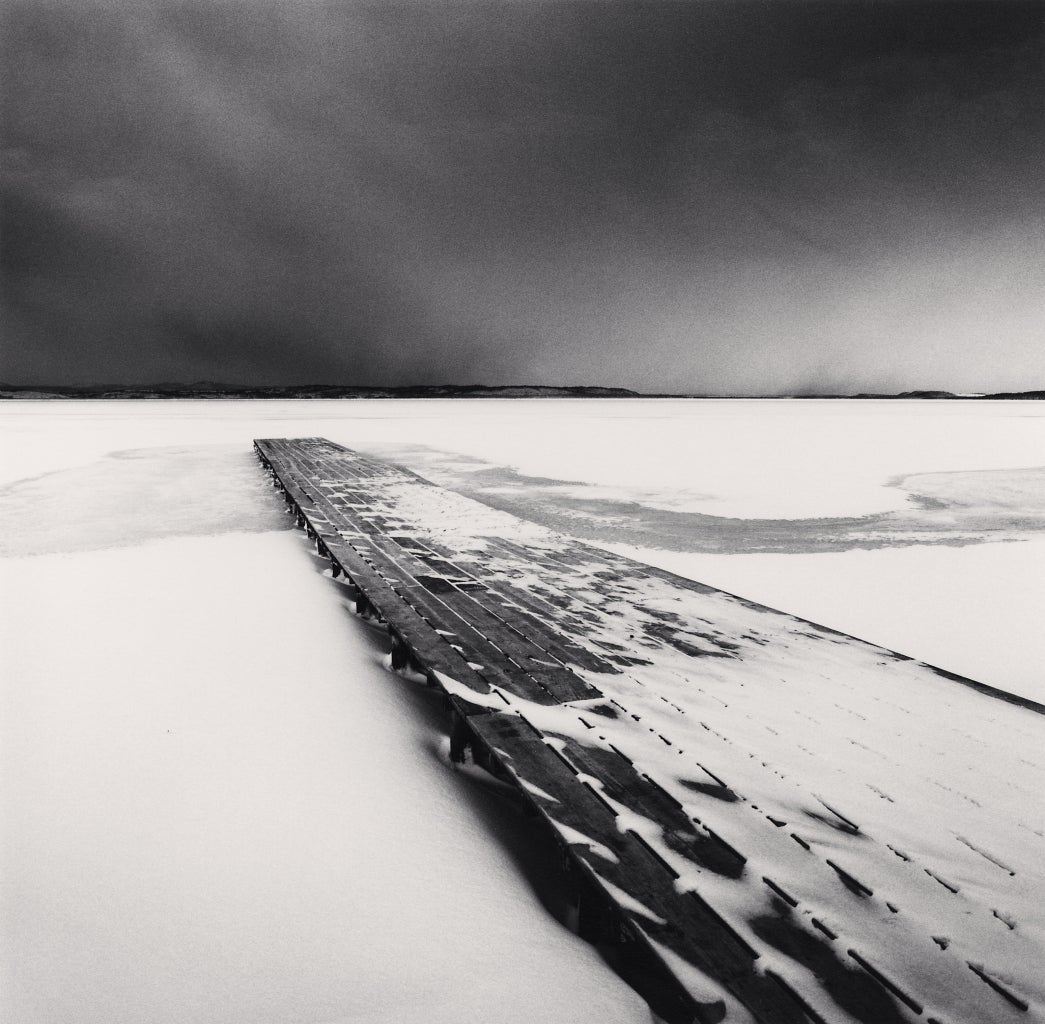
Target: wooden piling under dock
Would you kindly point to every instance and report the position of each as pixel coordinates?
(614, 697)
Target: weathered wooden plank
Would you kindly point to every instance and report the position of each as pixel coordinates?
(639, 794)
(498, 670)
(652, 907)
(432, 651)
(526, 613)
(461, 612)
(529, 614)
(387, 584)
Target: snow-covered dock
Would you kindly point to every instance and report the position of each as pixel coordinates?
(760, 818)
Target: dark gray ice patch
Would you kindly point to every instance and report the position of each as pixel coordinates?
(953, 509)
(130, 497)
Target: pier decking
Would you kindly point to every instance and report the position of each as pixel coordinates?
(761, 818)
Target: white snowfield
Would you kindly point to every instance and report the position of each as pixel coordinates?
(945, 603)
(192, 835)
(891, 817)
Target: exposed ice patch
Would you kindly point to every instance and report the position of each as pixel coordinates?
(130, 497)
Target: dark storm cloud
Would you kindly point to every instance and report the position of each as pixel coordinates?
(706, 196)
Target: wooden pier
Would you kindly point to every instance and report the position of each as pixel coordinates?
(687, 750)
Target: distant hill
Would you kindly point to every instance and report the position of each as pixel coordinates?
(209, 389)
(1031, 395)
(1039, 395)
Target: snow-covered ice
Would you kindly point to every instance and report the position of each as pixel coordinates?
(220, 806)
(973, 610)
(239, 867)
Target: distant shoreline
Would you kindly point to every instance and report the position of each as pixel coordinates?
(207, 390)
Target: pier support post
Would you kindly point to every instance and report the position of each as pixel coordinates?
(461, 739)
(400, 654)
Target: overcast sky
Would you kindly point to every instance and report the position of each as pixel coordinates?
(712, 197)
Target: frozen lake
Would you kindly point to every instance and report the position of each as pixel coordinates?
(917, 525)
(218, 803)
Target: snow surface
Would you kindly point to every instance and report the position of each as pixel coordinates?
(240, 867)
(973, 610)
(220, 806)
(748, 459)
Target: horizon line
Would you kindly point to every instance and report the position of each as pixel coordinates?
(205, 386)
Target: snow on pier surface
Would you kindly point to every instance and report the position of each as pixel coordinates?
(865, 830)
